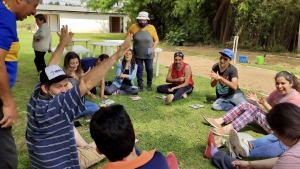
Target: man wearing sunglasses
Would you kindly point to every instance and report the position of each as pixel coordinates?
(224, 77)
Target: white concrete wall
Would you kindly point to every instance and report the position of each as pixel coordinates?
(85, 22)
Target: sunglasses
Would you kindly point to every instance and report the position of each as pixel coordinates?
(178, 54)
(224, 58)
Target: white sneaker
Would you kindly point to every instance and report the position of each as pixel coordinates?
(239, 144)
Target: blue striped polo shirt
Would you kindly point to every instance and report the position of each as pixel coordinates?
(49, 133)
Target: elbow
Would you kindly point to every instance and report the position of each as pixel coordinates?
(235, 87)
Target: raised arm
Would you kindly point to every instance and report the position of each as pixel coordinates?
(89, 80)
(64, 38)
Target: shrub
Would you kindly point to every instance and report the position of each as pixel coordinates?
(176, 38)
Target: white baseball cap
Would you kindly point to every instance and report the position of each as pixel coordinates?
(143, 15)
(52, 74)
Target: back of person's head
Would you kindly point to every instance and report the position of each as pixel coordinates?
(291, 78)
(40, 17)
(103, 56)
(113, 133)
(68, 57)
(284, 118)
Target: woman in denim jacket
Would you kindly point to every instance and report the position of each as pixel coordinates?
(125, 74)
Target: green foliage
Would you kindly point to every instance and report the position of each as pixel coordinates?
(263, 25)
(176, 38)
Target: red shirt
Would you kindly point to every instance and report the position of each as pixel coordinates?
(181, 73)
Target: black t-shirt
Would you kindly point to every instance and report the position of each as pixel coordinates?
(221, 88)
(126, 82)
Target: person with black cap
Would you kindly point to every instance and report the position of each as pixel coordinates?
(224, 76)
(51, 138)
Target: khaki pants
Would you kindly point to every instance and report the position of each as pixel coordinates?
(88, 156)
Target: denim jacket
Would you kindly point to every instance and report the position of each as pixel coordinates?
(131, 75)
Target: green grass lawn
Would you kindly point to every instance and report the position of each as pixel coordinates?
(176, 127)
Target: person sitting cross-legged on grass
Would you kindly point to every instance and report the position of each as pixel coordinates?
(287, 90)
(112, 130)
(51, 138)
(284, 121)
(180, 78)
(224, 76)
(125, 74)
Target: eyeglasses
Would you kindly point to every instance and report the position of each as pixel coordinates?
(224, 58)
(178, 54)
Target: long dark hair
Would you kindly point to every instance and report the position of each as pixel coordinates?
(284, 119)
(132, 61)
(66, 68)
(291, 78)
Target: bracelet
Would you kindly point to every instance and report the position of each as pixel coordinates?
(250, 165)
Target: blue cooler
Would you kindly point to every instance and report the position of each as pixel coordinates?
(243, 59)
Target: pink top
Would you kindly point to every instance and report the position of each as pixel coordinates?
(276, 97)
(289, 159)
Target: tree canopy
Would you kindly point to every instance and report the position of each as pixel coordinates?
(261, 24)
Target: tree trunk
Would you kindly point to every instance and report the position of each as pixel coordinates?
(222, 25)
(219, 14)
(228, 22)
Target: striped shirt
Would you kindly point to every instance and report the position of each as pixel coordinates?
(49, 133)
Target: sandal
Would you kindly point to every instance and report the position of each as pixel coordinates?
(219, 131)
(212, 122)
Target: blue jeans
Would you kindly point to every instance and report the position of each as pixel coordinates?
(149, 70)
(91, 109)
(267, 147)
(228, 102)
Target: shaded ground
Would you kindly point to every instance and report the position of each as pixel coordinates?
(251, 78)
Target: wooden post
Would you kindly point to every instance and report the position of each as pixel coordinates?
(235, 45)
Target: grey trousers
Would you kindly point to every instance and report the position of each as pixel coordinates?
(8, 150)
(112, 88)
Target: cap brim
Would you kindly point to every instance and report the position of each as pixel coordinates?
(142, 18)
(59, 78)
(225, 54)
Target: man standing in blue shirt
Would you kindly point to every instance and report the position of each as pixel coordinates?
(10, 12)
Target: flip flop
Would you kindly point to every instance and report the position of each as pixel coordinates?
(212, 122)
(219, 131)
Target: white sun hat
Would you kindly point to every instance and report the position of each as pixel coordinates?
(143, 15)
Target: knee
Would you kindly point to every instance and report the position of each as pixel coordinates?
(216, 106)
(108, 92)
